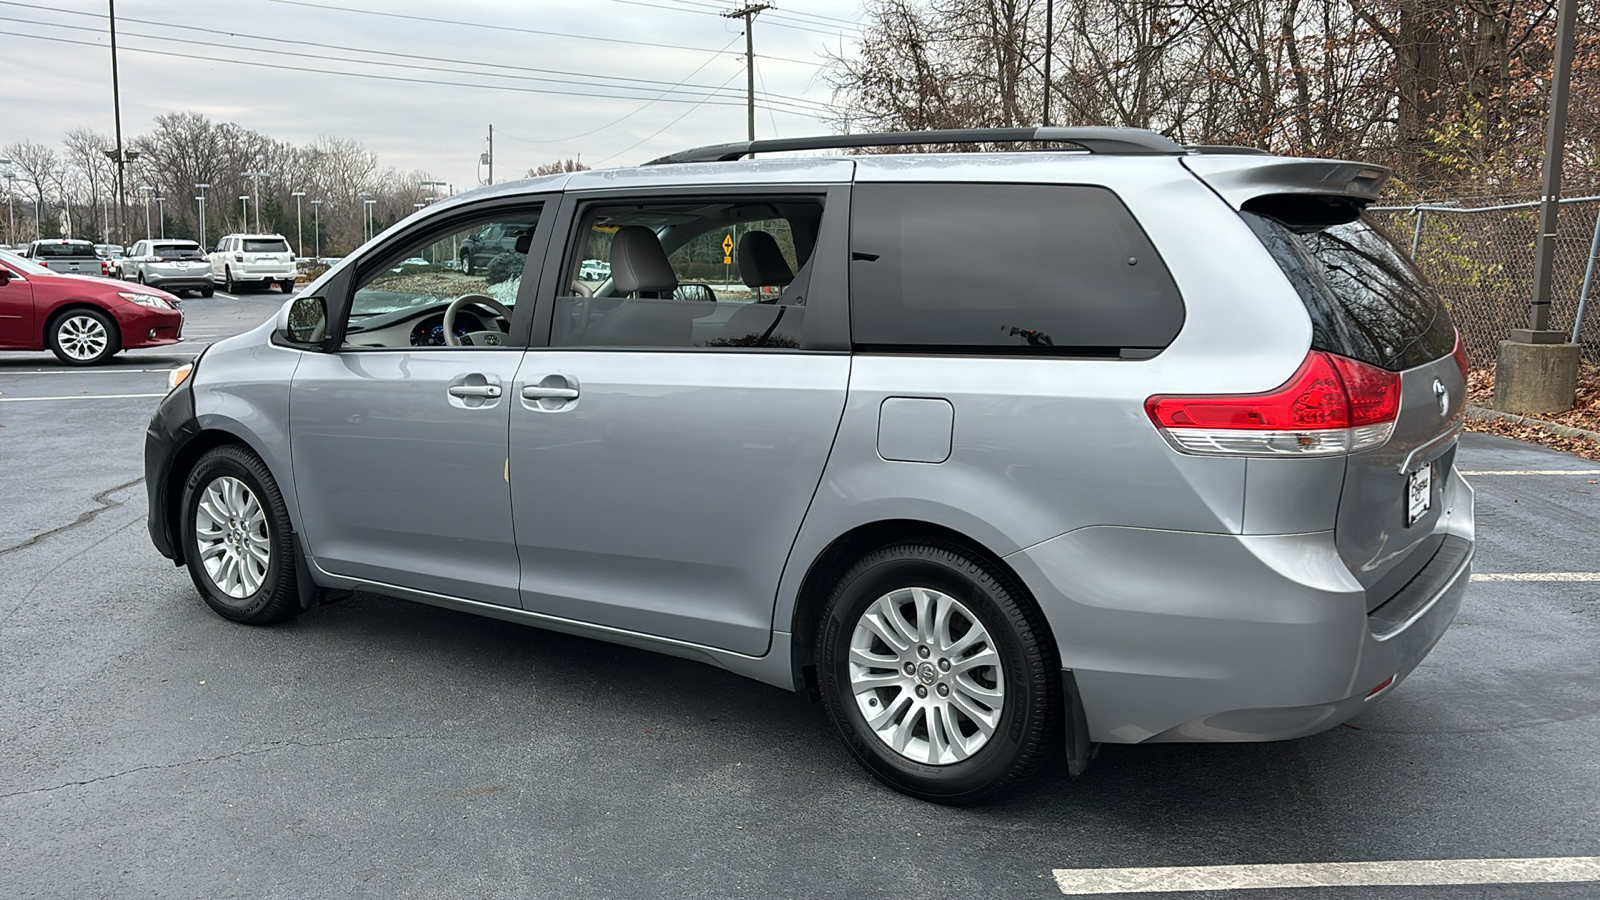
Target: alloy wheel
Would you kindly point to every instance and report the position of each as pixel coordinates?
(926, 675)
(232, 536)
(82, 337)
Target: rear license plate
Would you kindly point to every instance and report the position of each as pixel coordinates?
(1419, 493)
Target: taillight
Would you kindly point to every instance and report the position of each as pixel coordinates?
(1330, 405)
(1460, 353)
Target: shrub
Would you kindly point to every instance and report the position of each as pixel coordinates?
(504, 267)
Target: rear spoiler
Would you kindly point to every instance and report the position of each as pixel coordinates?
(1240, 179)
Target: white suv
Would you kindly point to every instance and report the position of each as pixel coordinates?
(262, 259)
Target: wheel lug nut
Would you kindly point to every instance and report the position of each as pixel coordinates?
(911, 668)
(944, 665)
(922, 691)
(922, 652)
(943, 689)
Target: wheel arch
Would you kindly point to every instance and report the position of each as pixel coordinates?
(183, 462)
(55, 314)
(852, 545)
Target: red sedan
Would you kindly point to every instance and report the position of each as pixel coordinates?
(84, 321)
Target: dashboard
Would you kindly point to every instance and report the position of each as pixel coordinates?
(422, 327)
(429, 331)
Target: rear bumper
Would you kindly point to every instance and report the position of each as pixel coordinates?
(179, 282)
(1181, 636)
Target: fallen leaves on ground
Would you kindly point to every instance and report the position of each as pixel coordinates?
(1585, 414)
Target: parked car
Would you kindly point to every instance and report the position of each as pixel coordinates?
(1139, 443)
(480, 248)
(172, 265)
(261, 260)
(69, 257)
(83, 321)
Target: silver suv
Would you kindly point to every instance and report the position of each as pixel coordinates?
(171, 265)
(1130, 442)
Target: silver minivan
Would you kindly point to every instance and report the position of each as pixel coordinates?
(997, 454)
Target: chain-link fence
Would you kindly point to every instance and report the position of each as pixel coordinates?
(1482, 258)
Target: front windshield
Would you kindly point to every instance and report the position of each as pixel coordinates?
(17, 263)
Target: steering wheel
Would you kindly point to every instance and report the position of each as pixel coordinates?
(487, 338)
(579, 289)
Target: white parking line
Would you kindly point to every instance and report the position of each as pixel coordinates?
(1536, 576)
(1533, 472)
(79, 397)
(1548, 870)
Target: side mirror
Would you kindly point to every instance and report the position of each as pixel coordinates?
(5, 277)
(308, 320)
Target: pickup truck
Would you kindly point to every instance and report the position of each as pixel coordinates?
(68, 257)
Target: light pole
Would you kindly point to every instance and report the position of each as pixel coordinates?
(202, 199)
(369, 204)
(161, 215)
(316, 226)
(299, 227)
(244, 211)
(255, 195)
(145, 189)
(11, 215)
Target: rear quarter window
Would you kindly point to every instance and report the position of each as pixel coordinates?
(1366, 300)
(1002, 268)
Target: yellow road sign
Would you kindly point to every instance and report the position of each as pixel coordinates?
(727, 245)
(727, 260)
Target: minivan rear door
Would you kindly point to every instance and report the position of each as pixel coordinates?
(1368, 302)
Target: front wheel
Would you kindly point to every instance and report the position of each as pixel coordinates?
(938, 675)
(227, 281)
(83, 337)
(238, 543)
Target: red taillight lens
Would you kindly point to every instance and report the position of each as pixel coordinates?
(1331, 404)
(1460, 353)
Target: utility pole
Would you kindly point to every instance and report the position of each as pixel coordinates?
(161, 215)
(748, 14)
(299, 227)
(255, 196)
(144, 190)
(488, 158)
(116, 110)
(202, 199)
(316, 227)
(1049, 51)
(1536, 371)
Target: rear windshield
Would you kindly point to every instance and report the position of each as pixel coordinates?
(1366, 300)
(177, 251)
(42, 251)
(269, 245)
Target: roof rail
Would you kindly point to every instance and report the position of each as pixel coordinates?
(1226, 150)
(1093, 138)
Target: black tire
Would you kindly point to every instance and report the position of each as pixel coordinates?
(59, 336)
(277, 596)
(287, 287)
(466, 262)
(1019, 743)
(227, 280)
(207, 291)
(141, 276)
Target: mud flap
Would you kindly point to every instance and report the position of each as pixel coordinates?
(311, 596)
(1078, 746)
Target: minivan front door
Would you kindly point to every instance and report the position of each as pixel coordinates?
(399, 437)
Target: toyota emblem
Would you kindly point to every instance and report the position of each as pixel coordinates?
(1441, 394)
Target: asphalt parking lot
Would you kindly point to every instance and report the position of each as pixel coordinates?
(378, 748)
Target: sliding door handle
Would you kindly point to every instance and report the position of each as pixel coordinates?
(539, 392)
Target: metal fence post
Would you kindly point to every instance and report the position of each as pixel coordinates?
(1416, 234)
(1588, 278)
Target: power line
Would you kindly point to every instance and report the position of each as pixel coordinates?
(498, 27)
(300, 42)
(661, 129)
(798, 106)
(778, 19)
(375, 77)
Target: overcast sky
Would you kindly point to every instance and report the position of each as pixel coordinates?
(447, 55)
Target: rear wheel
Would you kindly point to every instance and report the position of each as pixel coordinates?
(83, 337)
(207, 291)
(937, 674)
(466, 263)
(227, 280)
(238, 543)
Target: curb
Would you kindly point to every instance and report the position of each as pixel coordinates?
(1567, 431)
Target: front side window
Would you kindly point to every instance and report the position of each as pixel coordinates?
(404, 299)
(1003, 268)
(728, 273)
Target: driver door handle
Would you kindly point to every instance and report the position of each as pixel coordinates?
(536, 392)
(490, 391)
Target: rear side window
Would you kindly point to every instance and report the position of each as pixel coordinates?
(271, 245)
(51, 251)
(1001, 268)
(1366, 300)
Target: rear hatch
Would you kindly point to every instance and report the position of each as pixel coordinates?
(1368, 302)
(265, 251)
